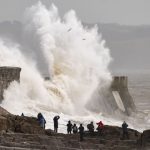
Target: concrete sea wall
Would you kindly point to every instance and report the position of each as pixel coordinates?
(121, 95)
(7, 75)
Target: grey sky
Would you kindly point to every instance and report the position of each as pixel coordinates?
(130, 12)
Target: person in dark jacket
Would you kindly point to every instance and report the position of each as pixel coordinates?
(69, 127)
(125, 130)
(81, 131)
(90, 127)
(55, 119)
(41, 120)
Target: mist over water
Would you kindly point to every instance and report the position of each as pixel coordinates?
(73, 56)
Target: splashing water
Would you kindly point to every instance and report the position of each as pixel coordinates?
(73, 56)
(75, 59)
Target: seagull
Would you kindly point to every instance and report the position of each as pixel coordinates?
(69, 29)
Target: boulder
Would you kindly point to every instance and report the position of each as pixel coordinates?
(3, 123)
(145, 139)
(22, 124)
(3, 119)
(3, 112)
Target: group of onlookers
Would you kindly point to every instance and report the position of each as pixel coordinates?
(70, 128)
(73, 128)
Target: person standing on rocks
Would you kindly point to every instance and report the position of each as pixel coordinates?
(75, 129)
(81, 131)
(41, 120)
(100, 127)
(125, 130)
(90, 127)
(22, 115)
(55, 119)
(69, 127)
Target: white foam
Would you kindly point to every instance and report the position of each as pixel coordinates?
(73, 56)
(76, 61)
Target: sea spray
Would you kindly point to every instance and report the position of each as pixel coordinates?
(73, 56)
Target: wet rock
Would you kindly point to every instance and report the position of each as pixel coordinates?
(3, 112)
(12, 123)
(3, 119)
(145, 139)
(3, 123)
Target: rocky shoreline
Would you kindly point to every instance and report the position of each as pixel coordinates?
(24, 133)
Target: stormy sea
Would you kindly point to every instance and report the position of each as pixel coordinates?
(75, 61)
(139, 86)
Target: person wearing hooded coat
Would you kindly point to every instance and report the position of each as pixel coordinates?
(90, 127)
(41, 120)
(100, 127)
